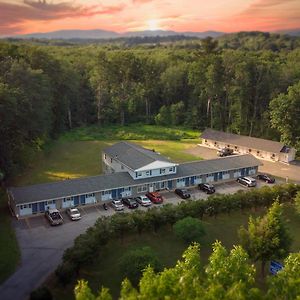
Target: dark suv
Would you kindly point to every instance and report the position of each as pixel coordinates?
(266, 178)
(130, 202)
(184, 194)
(207, 188)
(225, 152)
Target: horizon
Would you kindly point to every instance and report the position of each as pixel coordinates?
(43, 16)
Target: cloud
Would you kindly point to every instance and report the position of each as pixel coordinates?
(13, 15)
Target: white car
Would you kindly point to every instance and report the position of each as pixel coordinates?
(117, 205)
(143, 200)
(247, 181)
(74, 214)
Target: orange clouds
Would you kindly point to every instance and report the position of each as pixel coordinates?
(24, 16)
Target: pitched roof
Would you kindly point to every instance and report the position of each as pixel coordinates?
(66, 188)
(241, 140)
(133, 155)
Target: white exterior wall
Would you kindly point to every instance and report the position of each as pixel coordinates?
(67, 202)
(114, 166)
(287, 157)
(154, 172)
(25, 210)
(271, 156)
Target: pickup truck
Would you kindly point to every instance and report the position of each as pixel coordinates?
(54, 217)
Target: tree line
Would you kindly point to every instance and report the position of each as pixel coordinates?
(265, 238)
(45, 90)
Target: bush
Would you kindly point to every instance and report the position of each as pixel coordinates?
(135, 261)
(65, 272)
(41, 293)
(189, 229)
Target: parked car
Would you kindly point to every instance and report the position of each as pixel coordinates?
(266, 178)
(73, 214)
(155, 197)
(247, 181)
(117, 205)
(225, 152)
(184, 194)
(143, 200)
(130, 203)
(207, 188)
(54, 217)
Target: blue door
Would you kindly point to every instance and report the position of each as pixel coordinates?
(247, 171)
(193, 180)
(41, 206)
(76, 200)
(170, 184)
(187, 181)
(243, 172)
(82, 199)
(216, 177)
(120, 191)
(220, 175)
(114, 194)
(34, 208)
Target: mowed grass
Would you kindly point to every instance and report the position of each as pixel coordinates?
(9, 250)
(105, 270)
(78, 153)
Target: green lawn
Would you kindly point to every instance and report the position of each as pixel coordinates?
(78, 152)
(9, 250)
(105, 269)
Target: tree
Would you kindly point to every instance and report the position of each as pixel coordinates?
(266, 237)
(229, 275)
(83, 292)
(189, 229)
(286, 283)
(135, 261)
(285, 115)
(41, 293)
(297, 202)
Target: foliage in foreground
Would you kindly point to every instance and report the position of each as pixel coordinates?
(266, 237)
(228, 275)
(107, 228)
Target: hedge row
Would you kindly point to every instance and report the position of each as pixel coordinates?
(87, 245)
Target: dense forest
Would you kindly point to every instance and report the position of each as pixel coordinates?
(46, 89)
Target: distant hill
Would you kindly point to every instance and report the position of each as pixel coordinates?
(104, 34)
(292, 32)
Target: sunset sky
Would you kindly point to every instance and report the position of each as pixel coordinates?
(27, 16)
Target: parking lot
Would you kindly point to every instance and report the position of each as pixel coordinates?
(42, 246)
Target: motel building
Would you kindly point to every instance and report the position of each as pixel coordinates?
(130, 170)
(260, 148)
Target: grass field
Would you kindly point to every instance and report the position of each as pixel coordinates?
(78, 152)
(9, 251)
(105, 269)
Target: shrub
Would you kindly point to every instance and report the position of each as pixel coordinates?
(135, 261)
(189, 229)
(41, 293)
(65, 272)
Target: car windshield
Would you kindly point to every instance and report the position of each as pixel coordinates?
(75, 211)
(118, 203)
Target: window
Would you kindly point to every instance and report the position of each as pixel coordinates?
(142, 188)
(147, 173)
(215, 143)
(122, 167)
(209, 175)
(139, 174)
(111, 160)
(171, 169)
(127, 189)
(250, 150)
(89, 195)
(180, 180)
(257, 152)
(104, 156)
(225, 172)
(108, 192)
(205, 141)
(162, 171)
(67, 199)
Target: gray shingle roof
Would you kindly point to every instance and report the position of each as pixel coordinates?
(61, 189)
(133, 155)
(241, 140)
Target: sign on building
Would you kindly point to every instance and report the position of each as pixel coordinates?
(275, 267)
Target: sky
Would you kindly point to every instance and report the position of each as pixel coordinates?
(29, 16)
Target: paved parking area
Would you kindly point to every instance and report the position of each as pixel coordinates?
(42, 246)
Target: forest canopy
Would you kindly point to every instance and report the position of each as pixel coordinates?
(227, 85)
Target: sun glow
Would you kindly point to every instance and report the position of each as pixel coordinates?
(152, 24)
